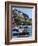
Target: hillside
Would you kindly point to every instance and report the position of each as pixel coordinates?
(21, 18)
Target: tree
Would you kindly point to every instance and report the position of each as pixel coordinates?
(20, 20)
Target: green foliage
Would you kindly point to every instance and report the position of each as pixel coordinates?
(19, 22)
(22, 21)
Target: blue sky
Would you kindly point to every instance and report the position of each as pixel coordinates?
(28, 11)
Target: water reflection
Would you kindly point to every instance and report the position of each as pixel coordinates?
(24, 31)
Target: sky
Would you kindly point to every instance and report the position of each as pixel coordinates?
(28, 11)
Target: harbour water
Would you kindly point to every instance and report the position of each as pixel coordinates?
(20, 33)
(30, 30)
